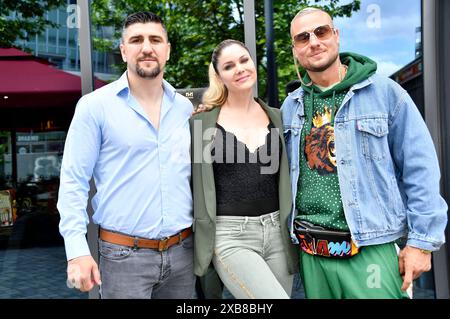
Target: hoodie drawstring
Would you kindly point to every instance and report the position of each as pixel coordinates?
(309, 111)
(333, 110)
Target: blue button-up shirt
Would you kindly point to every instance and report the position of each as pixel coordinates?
(142, 174)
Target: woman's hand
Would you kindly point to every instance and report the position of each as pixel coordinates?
(200, 109)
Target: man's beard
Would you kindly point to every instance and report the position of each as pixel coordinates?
(321, 68)
(153, 73)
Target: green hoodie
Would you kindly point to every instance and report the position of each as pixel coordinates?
(318, 197)
(359, 69)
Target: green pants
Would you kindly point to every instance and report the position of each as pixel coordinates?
(371, 274)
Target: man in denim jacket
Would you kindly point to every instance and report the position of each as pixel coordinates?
(362, 163)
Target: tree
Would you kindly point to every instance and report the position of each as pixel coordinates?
(284, 11)
(196, 27)
(24, 19)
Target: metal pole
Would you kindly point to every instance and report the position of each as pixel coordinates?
(84, 33)
(272, 80)
(87, 86)
(250, 33)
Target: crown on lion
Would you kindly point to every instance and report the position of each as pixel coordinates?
(320, 120)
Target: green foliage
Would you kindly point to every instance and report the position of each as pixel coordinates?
(284, 11)
(28, 19)
(196, 27)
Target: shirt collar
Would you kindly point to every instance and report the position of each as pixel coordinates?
(122, 87)
(169, 90)
(362, 84)
(298, 93)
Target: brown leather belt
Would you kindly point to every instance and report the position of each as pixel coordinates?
(138, 242)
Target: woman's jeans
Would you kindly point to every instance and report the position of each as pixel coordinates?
(250, 258)
(147, 273)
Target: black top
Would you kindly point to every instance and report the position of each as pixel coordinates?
(246, 183)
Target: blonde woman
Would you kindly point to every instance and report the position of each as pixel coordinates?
(241, 183)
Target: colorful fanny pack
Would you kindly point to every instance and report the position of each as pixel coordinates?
(318, 241)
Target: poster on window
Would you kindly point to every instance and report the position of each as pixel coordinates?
(5, 208)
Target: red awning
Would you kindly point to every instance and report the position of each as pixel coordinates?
(31, 83)
(12, 52)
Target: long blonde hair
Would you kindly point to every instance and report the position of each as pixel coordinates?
(217, 93)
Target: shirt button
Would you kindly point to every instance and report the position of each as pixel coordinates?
(294, 167)
(342, 162)
(340, 126)
(295, 133)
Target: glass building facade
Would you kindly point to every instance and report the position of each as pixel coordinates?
(60, 45)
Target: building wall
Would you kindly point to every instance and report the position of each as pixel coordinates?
(444, 85)
(436, 70)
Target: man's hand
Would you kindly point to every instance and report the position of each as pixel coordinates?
(83, 273)
(412, 263)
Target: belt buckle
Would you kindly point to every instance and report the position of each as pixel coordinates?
(162, 244)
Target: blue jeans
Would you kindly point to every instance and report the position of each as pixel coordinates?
(250, 259)
(147, 273)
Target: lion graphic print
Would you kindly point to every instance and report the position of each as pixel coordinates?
(319, 144)
(318, 199)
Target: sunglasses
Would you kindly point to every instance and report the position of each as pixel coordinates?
(322, 32)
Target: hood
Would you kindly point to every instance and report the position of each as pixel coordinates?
(359, 69)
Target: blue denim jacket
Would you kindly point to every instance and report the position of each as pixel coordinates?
(387, 165)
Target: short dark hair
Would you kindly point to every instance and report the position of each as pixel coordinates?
(142, 17)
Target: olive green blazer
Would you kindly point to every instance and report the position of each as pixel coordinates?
(204, 193)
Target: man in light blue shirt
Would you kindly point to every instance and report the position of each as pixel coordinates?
(133, 137)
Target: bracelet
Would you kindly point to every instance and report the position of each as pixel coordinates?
(428, 252)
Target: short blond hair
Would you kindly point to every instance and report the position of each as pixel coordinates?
(307, 11)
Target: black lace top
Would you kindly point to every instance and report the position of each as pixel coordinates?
(246, 183)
